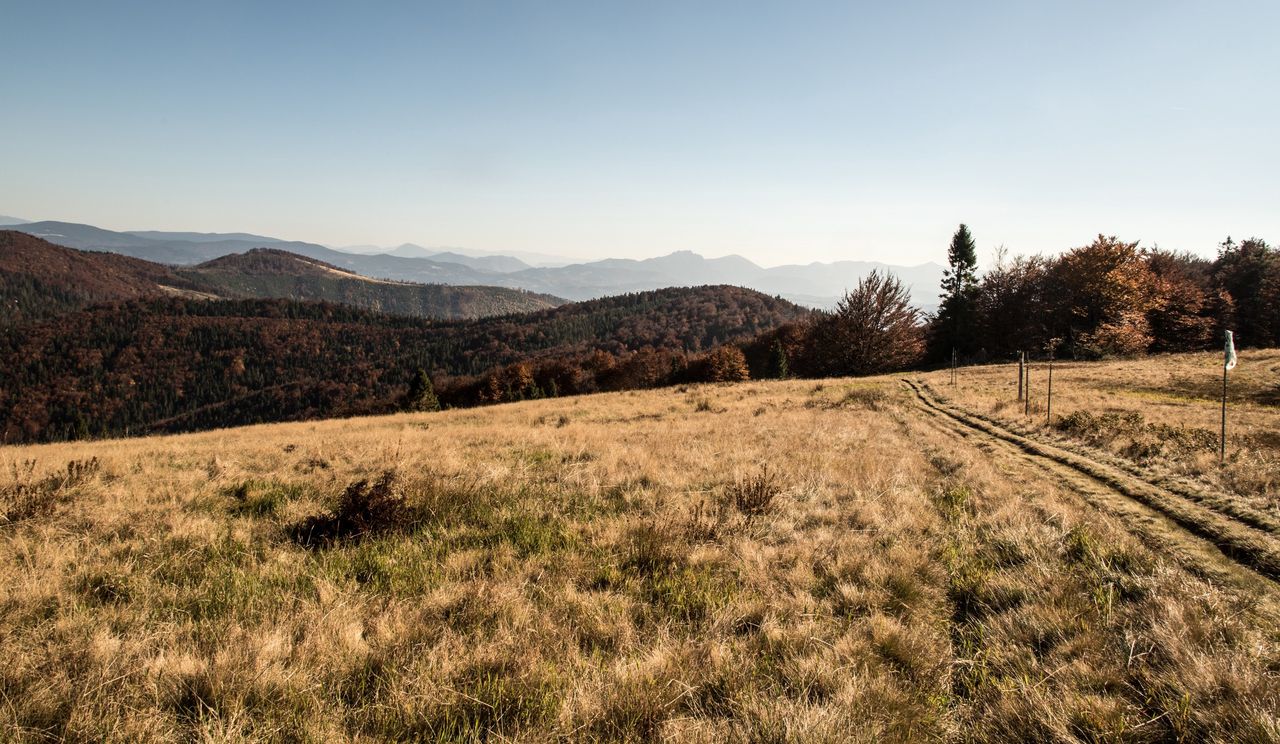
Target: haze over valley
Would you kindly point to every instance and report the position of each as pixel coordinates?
(814, 285)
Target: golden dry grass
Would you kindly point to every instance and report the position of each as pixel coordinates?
(782, 561)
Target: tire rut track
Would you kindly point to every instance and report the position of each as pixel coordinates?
(1223, 503)
(1213, 536)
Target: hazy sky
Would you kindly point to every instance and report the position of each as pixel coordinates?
(787, 132)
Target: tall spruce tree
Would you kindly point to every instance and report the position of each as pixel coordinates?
(779, 363)
(957, 323)
(421, 395)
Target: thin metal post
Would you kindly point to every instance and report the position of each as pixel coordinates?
(1048, 401)
(1021, 356)
(1026, 402)
(953, 365)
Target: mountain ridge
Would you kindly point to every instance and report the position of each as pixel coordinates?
(815, 284)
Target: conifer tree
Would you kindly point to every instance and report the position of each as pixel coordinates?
(779, 364)
(957, 321)
(422, 394)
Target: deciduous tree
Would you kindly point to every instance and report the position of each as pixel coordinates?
(873, 329)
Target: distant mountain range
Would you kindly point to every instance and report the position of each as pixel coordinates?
(814, 284)
(41, 280)
(410, 250)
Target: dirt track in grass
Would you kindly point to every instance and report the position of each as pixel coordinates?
(1220, 538)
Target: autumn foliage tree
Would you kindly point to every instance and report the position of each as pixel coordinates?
(727, 364)
(1190, 310)
(1099, 298)
(1011, 308)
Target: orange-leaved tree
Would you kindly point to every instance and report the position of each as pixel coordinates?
(1099, 297)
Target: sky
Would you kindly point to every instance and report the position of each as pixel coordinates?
(786, 132)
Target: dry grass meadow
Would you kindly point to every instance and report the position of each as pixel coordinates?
(765, 561)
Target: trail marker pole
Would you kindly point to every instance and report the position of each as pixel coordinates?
(1228, 364)
(953, 365)
(1048, 401)
(1222, 436)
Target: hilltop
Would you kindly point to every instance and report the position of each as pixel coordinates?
(275, 273)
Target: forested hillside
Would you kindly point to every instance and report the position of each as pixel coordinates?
(176, 364)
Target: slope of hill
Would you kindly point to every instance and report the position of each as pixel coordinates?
(273, 273)
(41, 280)
(496, 264)
(816, 284)
(90, 238)
(183, 365)
(766, 561)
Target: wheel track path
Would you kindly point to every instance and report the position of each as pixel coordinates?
(1250, 552)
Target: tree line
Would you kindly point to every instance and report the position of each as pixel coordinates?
(1108, 298)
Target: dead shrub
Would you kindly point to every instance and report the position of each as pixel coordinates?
(1141, 440)
(1099, 429)
(27, 497)
(754, 496)
(871, 398)
(313, 464)
(651, 550)
(707, 521)
(364, 509)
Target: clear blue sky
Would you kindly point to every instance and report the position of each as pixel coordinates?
(786, 132)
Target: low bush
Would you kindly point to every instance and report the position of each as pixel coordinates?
(27, 497)
(754, 496)
(366, 508)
